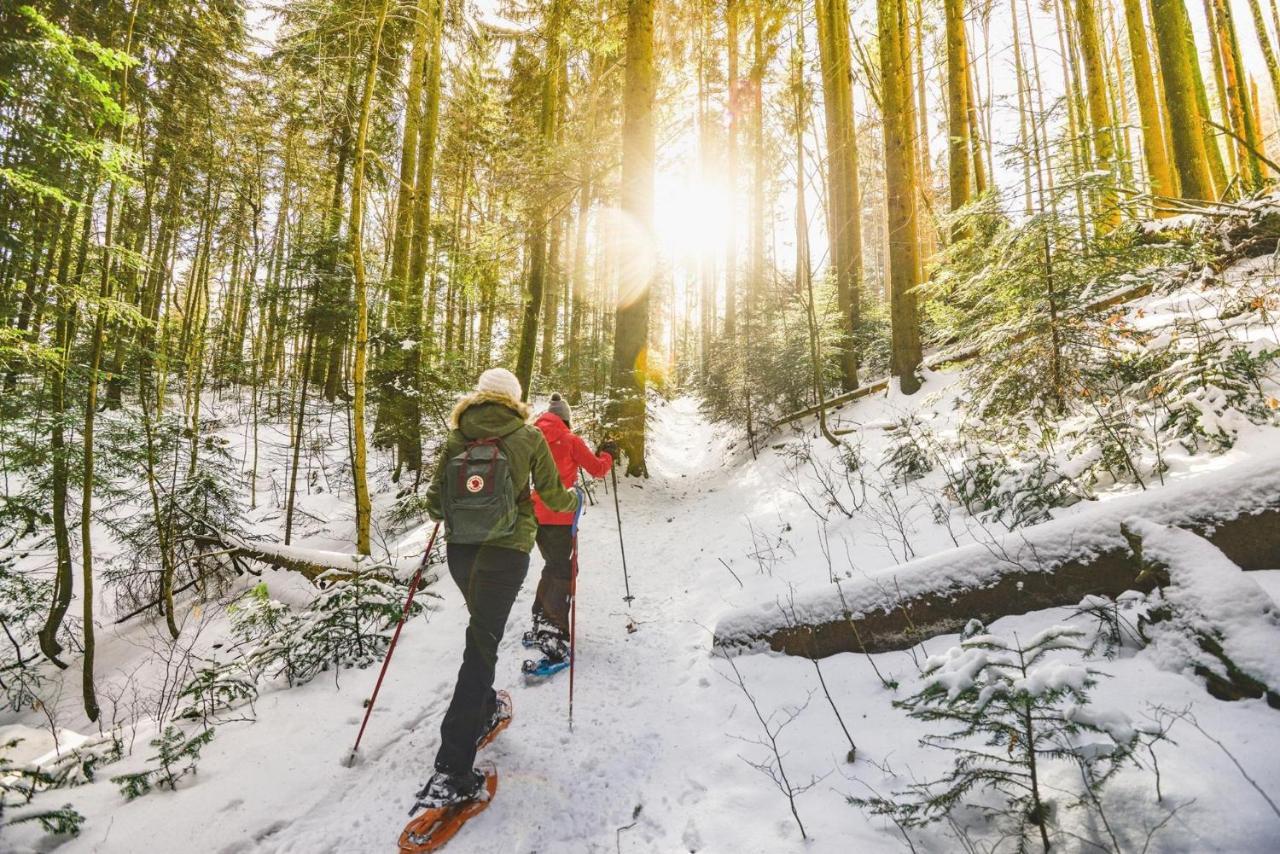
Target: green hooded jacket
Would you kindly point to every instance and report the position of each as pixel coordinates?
(484, 416)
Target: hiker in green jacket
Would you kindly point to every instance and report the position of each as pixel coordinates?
(480, 489)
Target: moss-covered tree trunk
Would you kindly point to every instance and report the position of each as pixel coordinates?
(359, 451)
(1102, 132)
(1264, 42)
(631, 334)
(900, 192)
(844, 203)
(398, 416)
(1236, 84)
(1159, 175)
(1181, 104)
(958, 152)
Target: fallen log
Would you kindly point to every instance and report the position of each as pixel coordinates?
(1054, 564)
(316, 565)
(1210, 619)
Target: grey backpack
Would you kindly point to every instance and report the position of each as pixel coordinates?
(479, 497)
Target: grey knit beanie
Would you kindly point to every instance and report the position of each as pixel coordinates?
(559, 406)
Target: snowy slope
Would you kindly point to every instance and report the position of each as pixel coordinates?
(658, 727)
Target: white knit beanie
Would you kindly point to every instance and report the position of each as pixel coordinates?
(499, 381)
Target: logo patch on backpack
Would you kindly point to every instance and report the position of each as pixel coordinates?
(475, 483)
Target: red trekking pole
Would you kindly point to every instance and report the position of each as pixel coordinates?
(408, 603)
(573, 599)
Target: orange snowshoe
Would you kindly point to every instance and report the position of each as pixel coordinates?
(433, 827)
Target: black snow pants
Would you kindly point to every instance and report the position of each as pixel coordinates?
(551, 605)
(489, 578)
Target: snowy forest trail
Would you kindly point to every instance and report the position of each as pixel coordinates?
(649, 765)
(648, 745)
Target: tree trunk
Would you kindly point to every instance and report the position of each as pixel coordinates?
(631, 336)
(364, 508)
(732, 12)
(397, 422)
(976, 158)
(958, 150)
(844, 205)
(1107, 217)
(1245, 127)
(1213, 152)
(900, 193)
(548, 121)
(1181, 105)
(1153, 143)
(63, 580)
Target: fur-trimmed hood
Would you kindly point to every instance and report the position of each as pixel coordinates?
(518, 408)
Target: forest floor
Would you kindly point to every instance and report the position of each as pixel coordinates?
(664, 740)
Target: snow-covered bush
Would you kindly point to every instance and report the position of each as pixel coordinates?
(1117, 623)
(176, 757)
(1013, 491)
(1209, 385)
(256, 618)
(217, 689)
(1015, 709)
(347, 625)
(79, 765)
(907, 458)
(19, 784)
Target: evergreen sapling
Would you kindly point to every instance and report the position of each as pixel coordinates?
(1031, 711)
(176, 757)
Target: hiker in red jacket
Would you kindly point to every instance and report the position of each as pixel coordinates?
(555, 539)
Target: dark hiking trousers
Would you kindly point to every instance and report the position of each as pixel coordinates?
(551, 605)
(489, 578)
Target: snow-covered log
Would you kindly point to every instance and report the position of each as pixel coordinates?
(1053, 564)
(317, 565)
(1211, 618)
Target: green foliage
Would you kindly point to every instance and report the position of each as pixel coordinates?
(63, 821)
(1013, 491)
(176, 757)
(1069, 393)
(19, 784)
(75, 81)
(907, 456)
(767, 369)
(1018, 292)
(24, 599)
(196, 506)
(215, 690)
(347, 625)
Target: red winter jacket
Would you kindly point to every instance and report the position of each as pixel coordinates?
(569, 452)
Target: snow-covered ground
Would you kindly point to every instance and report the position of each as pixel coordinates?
(659, 758)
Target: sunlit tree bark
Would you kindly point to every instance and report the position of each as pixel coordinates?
(900, 190)
(631, 334)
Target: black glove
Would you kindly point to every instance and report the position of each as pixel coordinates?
(610, 447)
